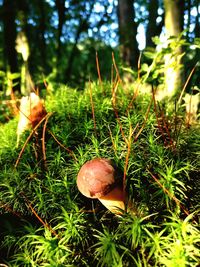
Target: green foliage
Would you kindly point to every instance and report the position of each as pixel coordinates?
(154, 63)
(54, 225)
(106, 249)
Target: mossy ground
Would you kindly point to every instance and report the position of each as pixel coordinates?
(45, 221)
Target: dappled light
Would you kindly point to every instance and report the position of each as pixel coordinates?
(99, 133)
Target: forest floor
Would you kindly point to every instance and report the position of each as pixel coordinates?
(46, 221)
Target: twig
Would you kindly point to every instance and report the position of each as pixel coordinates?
(92, 105)
(115, 66)
(112, 140)
(29, 137)
(114, 90)
(131, 132)
(43, 139)
(157, 119)
(45, 224)
(112, 74)
(135, 94)
(139, 65)
(113, 99)
(169, 194)
(167, 130)
(99, 73)
(145, 120)
(186, 83)
(46, 85)
(61, 145)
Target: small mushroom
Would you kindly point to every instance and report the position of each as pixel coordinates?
(31, 113)
(97, 178)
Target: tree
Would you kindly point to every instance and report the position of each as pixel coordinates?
(174, 14)
(23, 46)
(60, 7)
(127, 33)
(197, 21)
(9, 15)
(83, 26)
(42, 30)
(153, 28)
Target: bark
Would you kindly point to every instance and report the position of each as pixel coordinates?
(153, 28)
(27, 84)
(127, 33)
(188, 8)
(174, 14)
(60, 6)
(83, 27)
(80, 29)
(42, 29)
(197, 34)
(10, 36)
(197, 21)
(22, 15)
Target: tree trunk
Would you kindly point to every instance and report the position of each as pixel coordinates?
(174, 12)
(41, 40)
(197, 21)
(153, 28)
(83, 27)
(9, 14)
(127, 33)
(60, 6)
(197, 35)
(23, 46)
(188, 8)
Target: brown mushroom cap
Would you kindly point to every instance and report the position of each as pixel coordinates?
(96, 178)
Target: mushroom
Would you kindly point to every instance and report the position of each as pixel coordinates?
(98, 178)
(31, 113)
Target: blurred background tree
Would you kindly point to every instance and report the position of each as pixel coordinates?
(64, 35)
(128, 32)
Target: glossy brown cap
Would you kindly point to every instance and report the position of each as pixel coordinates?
(96, 178)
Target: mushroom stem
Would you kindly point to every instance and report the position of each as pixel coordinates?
(114, 200)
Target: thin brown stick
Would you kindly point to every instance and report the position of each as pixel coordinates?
(167, 131)
(157, 118)
(169, 194)
(145, 120)
(28, 138)
(45, 224)
(186, 83)
(115, 66)
(114, 90)
(117, 114)
(112, 74)
(61, 145)
(99, 73)
(92, 105)
(135, 94)
(43, 140)
(131, 132)
(112, 140)
(139, 66)
(46, 85)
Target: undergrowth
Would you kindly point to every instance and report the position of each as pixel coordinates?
(45, 221)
